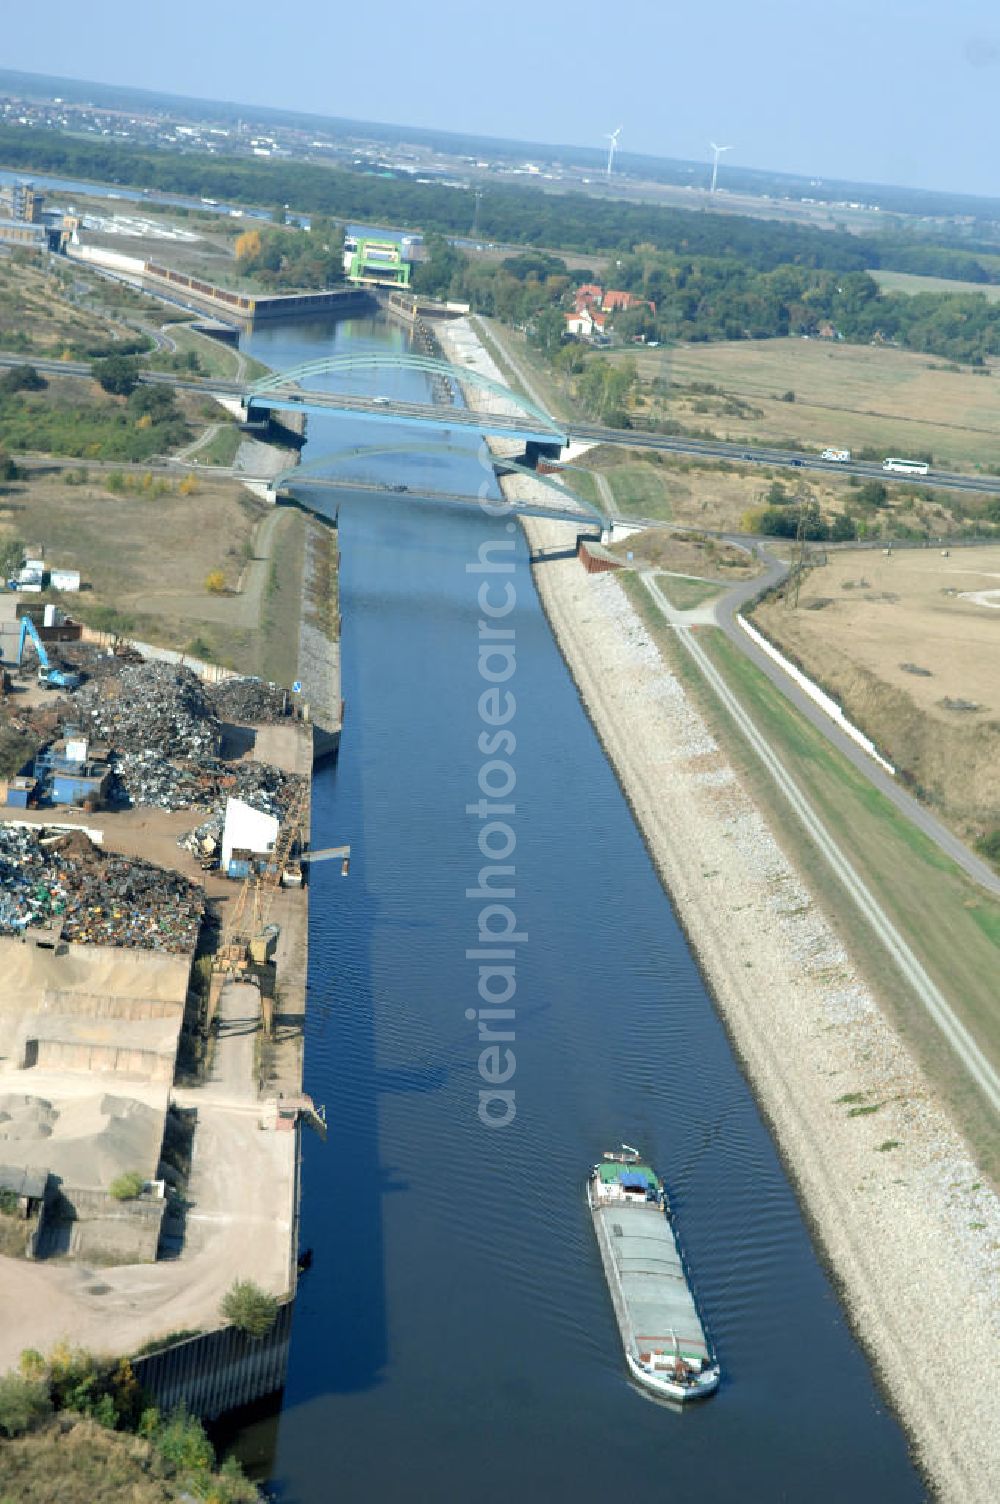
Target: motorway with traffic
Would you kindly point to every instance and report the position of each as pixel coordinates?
(441, 415)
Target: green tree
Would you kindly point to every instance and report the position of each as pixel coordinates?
(548, 329)
(249, 1308)
(127, 1186)
(22, 379)
(117, 374)
(11, 557)
(843, 529)
(23, 1403)
(872, 495)
(156, 402)
(183, 1445)
(442, 264)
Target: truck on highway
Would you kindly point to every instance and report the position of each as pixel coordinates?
(840, 455)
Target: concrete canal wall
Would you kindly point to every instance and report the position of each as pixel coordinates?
(218, 1371)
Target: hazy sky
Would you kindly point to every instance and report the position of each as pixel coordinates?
(892, 91)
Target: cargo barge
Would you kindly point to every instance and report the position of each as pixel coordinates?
(666, 1349)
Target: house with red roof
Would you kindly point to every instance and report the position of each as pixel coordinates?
(586, 322)
(615, 299)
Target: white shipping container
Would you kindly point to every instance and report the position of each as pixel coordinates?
(65, 579)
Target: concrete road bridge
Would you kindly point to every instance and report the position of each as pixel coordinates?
(562, 504)
(541, 434)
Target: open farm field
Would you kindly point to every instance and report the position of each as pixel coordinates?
(911, 283)
(859, 397)
(910, 645)
(145, 554)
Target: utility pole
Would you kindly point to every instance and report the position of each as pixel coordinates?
(799, 557)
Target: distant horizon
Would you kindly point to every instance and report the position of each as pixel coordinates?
(899, 94)
(812, 178)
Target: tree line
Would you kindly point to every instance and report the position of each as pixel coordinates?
(508, 213)
(716, 298)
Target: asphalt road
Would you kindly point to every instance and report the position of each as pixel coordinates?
(789, 458)
(725, 612)
(416, 412)
(979, 1068)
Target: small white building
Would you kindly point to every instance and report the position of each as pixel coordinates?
(247, 829)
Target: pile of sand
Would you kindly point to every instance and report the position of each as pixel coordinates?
(85, 1141)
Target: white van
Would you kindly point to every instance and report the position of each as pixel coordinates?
(840, 455)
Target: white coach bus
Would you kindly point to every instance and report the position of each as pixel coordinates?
(906, 467)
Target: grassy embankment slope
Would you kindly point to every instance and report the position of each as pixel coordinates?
(953, 928)
(69, 313)
(74, 1460)
(37, 317)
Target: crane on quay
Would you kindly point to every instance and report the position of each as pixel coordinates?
(249, 938)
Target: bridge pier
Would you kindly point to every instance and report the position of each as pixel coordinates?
(535, 451)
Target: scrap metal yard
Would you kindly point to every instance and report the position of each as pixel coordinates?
(151, 1130)
(59, 879)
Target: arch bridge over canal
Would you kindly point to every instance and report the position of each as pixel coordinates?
(504, 413)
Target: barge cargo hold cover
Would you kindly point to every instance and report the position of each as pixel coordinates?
(665, 1344)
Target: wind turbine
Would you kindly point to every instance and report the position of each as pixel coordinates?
(718, 150)
(612, 137)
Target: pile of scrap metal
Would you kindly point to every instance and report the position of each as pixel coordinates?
(164, 728)
(258, 784)
(59, 881)
(248, 701)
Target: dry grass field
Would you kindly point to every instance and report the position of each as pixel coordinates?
(144, 558)
(701, 559)
(910, 645)
(715, 494)
(705, 494)
(911, 283)
(852, 396)
(35, 316)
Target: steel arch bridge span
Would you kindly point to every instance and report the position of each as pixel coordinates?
(572, 503)
(383, 360)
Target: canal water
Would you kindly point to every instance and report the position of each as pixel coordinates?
(454, 1338)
